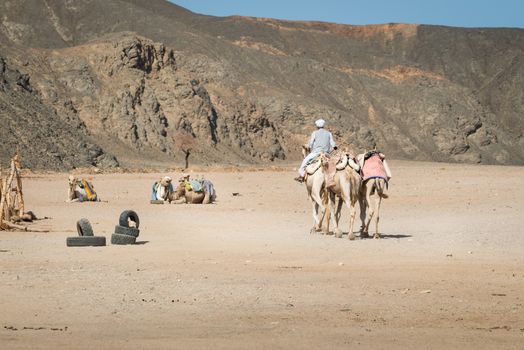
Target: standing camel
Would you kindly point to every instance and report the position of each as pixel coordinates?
(375, 175)
(345, 186)
(315, 186)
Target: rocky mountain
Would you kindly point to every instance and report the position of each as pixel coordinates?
(136, 82)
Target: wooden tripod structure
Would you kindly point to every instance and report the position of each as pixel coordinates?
(11, 195)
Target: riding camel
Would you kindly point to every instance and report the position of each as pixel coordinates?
(315, 187)
(187, 191)
(343, 183)
(323, 190)
(375, 175)
(81, 190)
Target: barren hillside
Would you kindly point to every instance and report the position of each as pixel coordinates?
(108, 82)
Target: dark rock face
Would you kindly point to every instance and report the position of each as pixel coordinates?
(247, 90)
(45, 139)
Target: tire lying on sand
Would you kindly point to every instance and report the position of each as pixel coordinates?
(86, 241)
(119, 239)
(130, 231)
(128, 215)
(84, 228)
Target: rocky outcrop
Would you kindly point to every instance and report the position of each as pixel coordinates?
(45, 140)
(246, 90)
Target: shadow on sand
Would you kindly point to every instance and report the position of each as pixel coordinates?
(382, 236)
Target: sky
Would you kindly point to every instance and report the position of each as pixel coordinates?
(456, 13)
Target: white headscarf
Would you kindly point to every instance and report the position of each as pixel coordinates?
(320, 123)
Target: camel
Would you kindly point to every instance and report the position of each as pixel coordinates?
(345, 186)
(77, 191)
(376, 174)
(315, 187)
(163, 190)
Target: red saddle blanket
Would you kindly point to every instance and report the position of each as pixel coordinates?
(373, 167)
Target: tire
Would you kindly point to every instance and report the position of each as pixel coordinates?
(122, 239)
(126, 216)
(84, 228)
(130, 231)
(86, 241)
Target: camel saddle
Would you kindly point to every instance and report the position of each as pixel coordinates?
(335, 161)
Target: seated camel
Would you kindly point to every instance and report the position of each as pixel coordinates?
(375, 176)
(187, 191)
(195, 192)
(81, 190)
(162, 190)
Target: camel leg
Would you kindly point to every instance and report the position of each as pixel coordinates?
(369, 209)
(363, 204)
(326, 215)
(352, 215)
(378, 199)
(317, 217)
(339, 211)
(179, 201)
(336, 217)
(315, 194)
(314, 206)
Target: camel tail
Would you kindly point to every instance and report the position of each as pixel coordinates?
(379, 186)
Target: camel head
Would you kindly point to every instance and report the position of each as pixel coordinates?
(73, 181)
(180, 191)
(305, 150)
(165, 181)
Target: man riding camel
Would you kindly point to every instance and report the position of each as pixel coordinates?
(321, 141)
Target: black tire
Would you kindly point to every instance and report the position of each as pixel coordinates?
(126, 216)
(156, 201)
(86, 241)
(84, 228)
(130, 231)
(122, 239)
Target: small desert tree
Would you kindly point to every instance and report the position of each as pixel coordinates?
(185, 142)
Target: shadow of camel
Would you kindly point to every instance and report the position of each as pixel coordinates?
(382, 236)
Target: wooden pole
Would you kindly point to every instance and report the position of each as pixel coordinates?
(18, 166)
(2, 203)
(8, 193)
(4, 209)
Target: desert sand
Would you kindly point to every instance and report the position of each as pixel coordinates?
(245, 273)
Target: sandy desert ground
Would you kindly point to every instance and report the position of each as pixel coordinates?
(245, 273)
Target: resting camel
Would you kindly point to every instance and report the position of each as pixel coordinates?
(375, 174)
(345, 186)
(163, 190)
(183, 194)
(77, 191)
